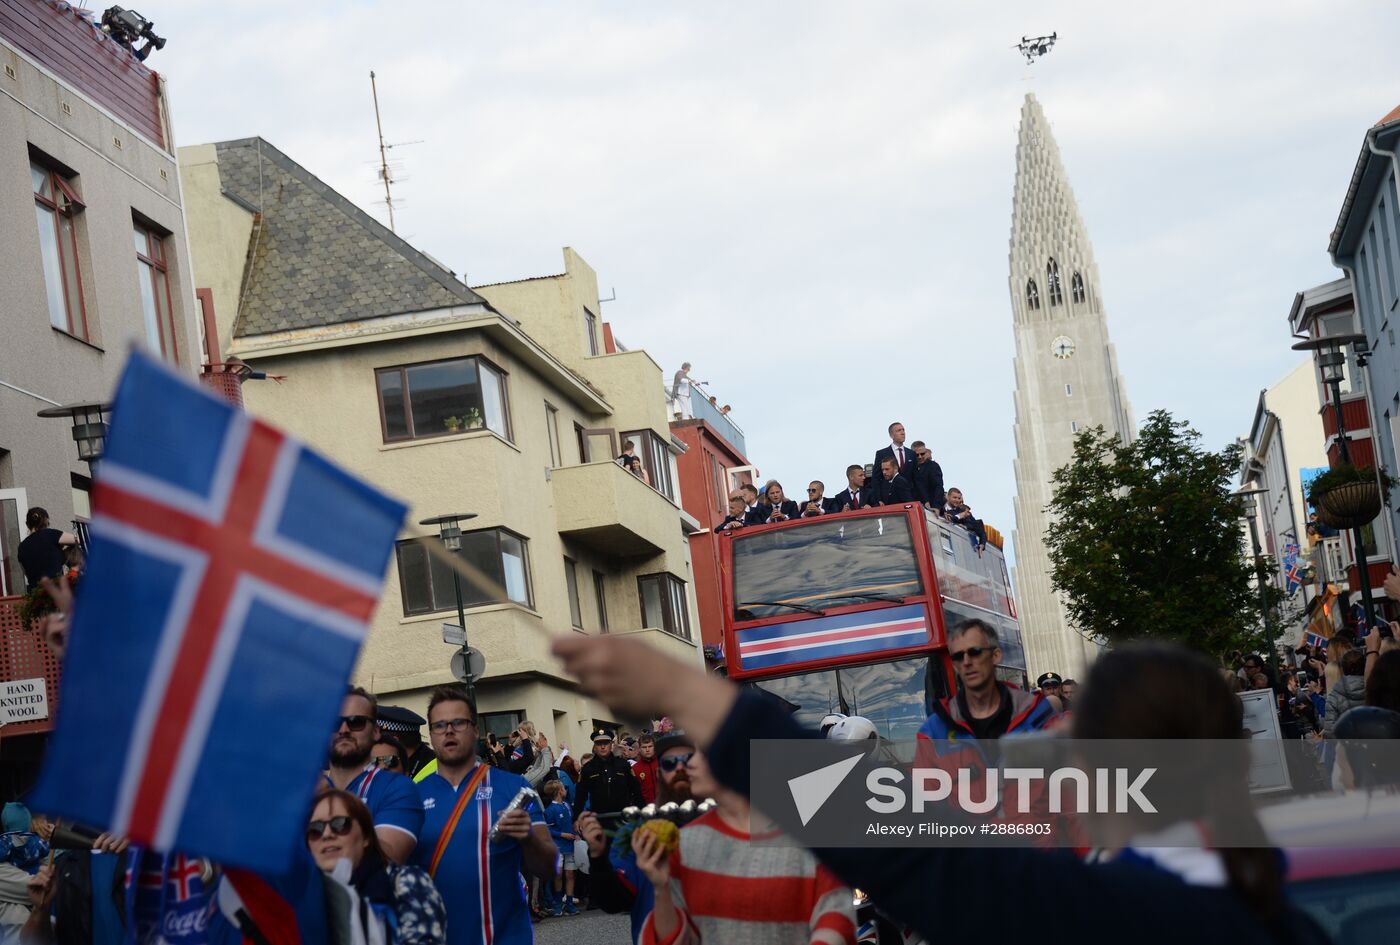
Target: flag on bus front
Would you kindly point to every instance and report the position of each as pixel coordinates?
(232, 574)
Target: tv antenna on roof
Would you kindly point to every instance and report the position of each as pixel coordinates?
(1034, 48)
(386, 173)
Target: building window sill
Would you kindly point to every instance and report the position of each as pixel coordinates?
(448, 438)
(79, 340)
(451, 615)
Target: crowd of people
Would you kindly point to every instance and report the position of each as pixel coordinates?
(900, 474)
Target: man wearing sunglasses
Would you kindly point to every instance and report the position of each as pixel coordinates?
(478, 876)
(392, 799)
(984, 707)
(618, 885)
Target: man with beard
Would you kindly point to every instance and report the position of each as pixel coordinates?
(392, 799)
(478, 874)
(617, 882)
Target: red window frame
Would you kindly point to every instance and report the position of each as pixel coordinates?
(69, 207)
(153, 264)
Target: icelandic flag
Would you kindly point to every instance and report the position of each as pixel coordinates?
(232, 574)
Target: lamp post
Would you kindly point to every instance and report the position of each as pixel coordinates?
(89, 428)
(1251, 510)
(1331, 361)
(450, 531)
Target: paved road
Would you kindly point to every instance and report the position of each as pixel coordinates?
(590, 928)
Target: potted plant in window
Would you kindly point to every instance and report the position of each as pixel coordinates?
(472, 419)
(1348, 496)
(453, 424)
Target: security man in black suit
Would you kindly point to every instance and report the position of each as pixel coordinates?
(927, 477)
(856, 495)
(903, 455)
(897, 488)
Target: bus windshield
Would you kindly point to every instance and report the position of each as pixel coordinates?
(896, 696)
(810, 568)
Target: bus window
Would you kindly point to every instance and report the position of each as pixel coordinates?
(896, 696)
(789, 571)
(1013, 652)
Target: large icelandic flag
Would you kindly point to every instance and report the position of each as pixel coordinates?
(232, 573)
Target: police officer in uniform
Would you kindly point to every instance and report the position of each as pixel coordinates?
(606, 784)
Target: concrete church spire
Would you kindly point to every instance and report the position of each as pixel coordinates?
(1066, 374)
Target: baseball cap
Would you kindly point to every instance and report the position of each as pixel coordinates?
(673, 739)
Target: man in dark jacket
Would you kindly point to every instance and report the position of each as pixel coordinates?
(927, 476)
(606, 784)
(735, 518)
(856, 495)
(896, 488)
(903, 456)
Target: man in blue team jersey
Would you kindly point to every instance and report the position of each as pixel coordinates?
(392, 799)
(479, 878)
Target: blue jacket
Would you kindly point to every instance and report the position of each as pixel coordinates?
(947, 733)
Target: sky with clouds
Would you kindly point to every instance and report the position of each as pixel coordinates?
(811, 200)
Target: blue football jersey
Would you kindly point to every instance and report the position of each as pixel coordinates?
(480, 880)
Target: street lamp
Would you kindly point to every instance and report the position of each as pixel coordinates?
(1251, 510)
(450, 531)
(1331, 361)
(89, 428)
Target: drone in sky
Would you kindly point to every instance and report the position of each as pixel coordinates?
(1034, 48)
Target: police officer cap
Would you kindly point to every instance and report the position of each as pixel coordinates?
(602, 735)
(1048, 679)
(394, 718)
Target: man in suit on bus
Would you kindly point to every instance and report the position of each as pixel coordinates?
(816, 502)
(927, 477)
(856, 495)
(896, 487)
(903, 455)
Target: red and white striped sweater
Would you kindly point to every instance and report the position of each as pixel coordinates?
(730, 891)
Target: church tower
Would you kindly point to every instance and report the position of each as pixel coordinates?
(1066, 375)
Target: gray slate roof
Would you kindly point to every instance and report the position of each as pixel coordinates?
(317, 259)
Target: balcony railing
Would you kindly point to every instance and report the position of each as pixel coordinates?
(695, 403)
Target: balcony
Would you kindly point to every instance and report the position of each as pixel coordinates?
(695, 404)
(603, 506)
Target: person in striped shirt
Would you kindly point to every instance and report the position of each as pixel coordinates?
(718, 887)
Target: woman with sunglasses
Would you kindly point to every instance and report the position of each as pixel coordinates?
(401, 901)
(389, 753)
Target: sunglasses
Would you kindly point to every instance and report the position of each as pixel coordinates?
(813, 491)
(387, 761)
(340, 826)
(971, 653)
(355, 723)
(673, 762)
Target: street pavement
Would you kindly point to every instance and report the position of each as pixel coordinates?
(594, 926)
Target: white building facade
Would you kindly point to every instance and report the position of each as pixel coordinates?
(1067, 376)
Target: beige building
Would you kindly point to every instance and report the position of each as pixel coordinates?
(95, 259)
(500, 400)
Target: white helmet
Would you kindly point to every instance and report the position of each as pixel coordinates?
(853, 729)
(829, 721)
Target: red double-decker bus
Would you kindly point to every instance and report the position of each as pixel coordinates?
(849, 612)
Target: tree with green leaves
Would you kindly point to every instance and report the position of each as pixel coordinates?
(1145, 541)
